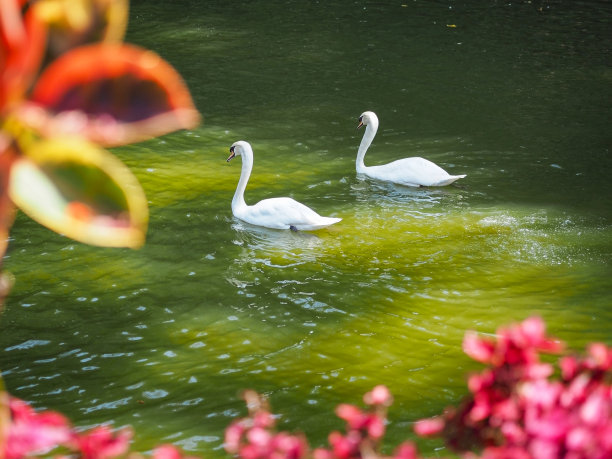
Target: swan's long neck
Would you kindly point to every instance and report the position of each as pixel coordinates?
(368, 136)
(238, 201)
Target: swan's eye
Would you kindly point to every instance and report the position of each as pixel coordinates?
(232, 149)
(361, 119)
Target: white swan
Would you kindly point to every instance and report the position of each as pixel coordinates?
(408, 171)
(278, 213)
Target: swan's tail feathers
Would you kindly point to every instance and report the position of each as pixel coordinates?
(326, 221)
(322, 222)
(450, 179)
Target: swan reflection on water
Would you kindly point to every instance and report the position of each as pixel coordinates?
(289, 244)
(403, 202)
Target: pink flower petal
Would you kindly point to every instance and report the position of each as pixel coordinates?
(534, 330)
(406, 450)
(596, 410)
(259, 436)
(380, 395)
(427, 427)
(569, 367)
(31, 432)
(233, 435)
(579, 439)
(376, 427)
(103, 443)
(601, 356)
(166, 452)
(477, 348)
(352, 415)
(513, 433)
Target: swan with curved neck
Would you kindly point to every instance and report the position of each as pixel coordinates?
(277, 213)
(414, 171)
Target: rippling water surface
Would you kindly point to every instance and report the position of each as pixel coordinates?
(515, 95)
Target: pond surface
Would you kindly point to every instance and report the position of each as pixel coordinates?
(514, 94)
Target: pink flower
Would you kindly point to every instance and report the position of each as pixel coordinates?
(259, 437)
(515, 404)
(597, 409)
(406, 450)
(550, 426)
(102, 443)
(481, 381)
(478, 348)
(533, 330)
(502, 452)
(263, 419)
(569, 367)
(344, 447)
(355, 418)
(577, 390)
(376, 427)
(348, 412)
(505, 410)
(600, 356)
(322, 453)
(541, 393)
(579, 439)
(380, 395)
(169, 452)
(31, 432)
(513, 433)
(428, 427)
(233, 435)
(289, 446)
(544, 449)
(537, 370)
(250, 452)
(482, 406)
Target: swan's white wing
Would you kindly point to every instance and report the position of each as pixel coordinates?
(283, 213)
(412, 172)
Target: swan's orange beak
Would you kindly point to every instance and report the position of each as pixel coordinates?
(360, 123)
(232, 156)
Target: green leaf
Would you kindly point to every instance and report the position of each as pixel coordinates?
(78, 189)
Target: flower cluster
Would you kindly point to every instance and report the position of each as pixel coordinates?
(364, 430)
(30, 433)
(517, 410)
(254, 437)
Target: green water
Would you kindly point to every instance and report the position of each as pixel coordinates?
(514, 94)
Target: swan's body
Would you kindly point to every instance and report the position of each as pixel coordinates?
(278, 213)
(408, 171)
